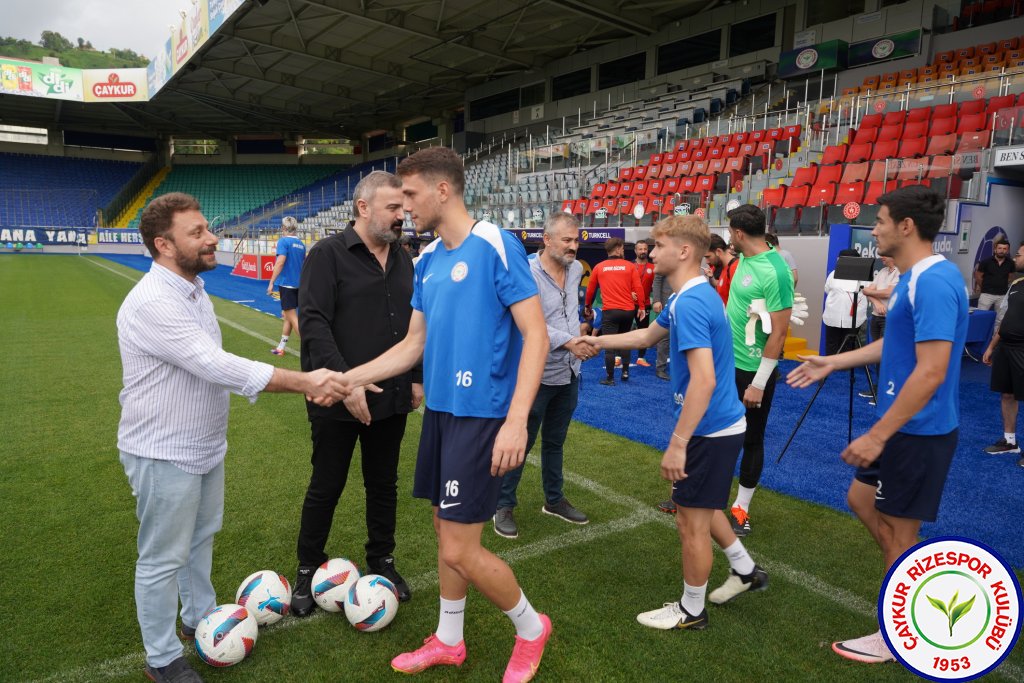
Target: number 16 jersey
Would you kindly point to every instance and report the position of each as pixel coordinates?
(472, 349)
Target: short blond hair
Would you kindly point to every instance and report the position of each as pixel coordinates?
(690, 228)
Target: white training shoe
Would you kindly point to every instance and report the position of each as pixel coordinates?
(757, 580)
(672, 616)
(868, 649)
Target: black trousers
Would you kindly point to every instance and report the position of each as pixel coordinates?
(616, 322)
(334, 443)
(834, 337)
(757, 420)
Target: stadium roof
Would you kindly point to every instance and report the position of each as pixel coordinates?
(343, 67)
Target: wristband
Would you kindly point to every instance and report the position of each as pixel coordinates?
(764, 371)
(680, 438)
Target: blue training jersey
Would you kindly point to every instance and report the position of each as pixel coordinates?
(929, 303)
(295, 252)
(472, 350)
(695, 319)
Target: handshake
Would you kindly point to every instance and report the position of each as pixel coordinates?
(326, 387)
(583, 347)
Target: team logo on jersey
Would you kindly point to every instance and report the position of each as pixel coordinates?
(747, 279)
(459, 271)
(950, 609)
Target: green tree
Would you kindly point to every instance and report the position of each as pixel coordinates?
(53, 40)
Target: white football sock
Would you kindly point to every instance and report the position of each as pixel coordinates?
(743, 496)
(1011, 438)
(739, 558)
(693, 598)
(525, 618)
(283, 343)
(449, 624)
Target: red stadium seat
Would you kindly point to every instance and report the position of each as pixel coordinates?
(970, 123)
(915, 129)
(626, 173)
(773, 196)
(598, 190)
(942, 144)
(885, 150)
(668, 169)
(567, 205)
(972, 107)
(805, 175)
(700, 167)
(912, 169)
(655, 187)
(882, 170)
(914, 147)
(654, 170)
(822, 194)
(796, 197)
(625, 189)
(919, 114)
(942, 127)
(716, 166)
(855, 172)
(858, 152)
(594, 205)
(834, 154)
(738, 164)
(656, 159)
(867, 135)
(997, 103)
(611, 189)
(670, 158)
(639, 188)
(889, 133)
(850, 192)
(895, 118)
(671, 185)
(876, 190)
(872, 121)
(683, 168)
(639, 172)
(581, 207)
(973, 142)
(829, 174)
(944, 111)
(940, 166)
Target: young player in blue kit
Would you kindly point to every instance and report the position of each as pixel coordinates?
(291, 253)
(478, 325)
(902, 461)
(710, 422)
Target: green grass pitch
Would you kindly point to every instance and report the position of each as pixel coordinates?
(68, 534)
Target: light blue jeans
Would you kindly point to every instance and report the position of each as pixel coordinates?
(178, 513)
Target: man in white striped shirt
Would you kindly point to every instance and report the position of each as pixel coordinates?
(173, 431)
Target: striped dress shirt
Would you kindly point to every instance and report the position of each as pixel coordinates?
(177, 378)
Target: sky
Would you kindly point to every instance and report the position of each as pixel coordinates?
(140, 25)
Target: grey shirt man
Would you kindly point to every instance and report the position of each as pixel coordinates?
(561, 311)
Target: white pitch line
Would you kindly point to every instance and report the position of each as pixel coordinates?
(641, 513)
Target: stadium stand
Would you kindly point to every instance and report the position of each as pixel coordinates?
(58, 191)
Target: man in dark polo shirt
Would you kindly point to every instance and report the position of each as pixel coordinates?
(355, 295)
(1005, 354)
(992, 276)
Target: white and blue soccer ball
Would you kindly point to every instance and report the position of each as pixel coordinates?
(226, 635)
(267, 595)
(372, 603)
(331, 582)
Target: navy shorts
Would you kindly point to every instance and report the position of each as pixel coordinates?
(910, 474)
(453, 468)
(289, 298)
(1008, 370)
(710, 463)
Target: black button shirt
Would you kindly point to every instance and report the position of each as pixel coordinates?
(995, 278)
(351, 311)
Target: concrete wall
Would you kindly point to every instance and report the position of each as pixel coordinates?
(810, 254)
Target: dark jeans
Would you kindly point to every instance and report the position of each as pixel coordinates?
(334, 442)
(617, 322)
(553, 408)
(757, 419)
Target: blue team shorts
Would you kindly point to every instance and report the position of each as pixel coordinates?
(710, 463)
(910, 474)
(453, 467)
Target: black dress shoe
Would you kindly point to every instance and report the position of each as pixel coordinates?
(302, 594)
(385, 566)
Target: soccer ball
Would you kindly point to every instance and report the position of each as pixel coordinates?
(267, 596)
(372, 603)
(331, 582)
(225, 635)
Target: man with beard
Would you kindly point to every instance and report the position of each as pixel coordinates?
(645, 270)
(723, 266)
(557, 274)
(354, 293)
(477, 324)
(993, 275)
(903, 460)
(173, 431)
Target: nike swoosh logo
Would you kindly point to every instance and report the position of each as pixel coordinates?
(445, 506)
(429, 275)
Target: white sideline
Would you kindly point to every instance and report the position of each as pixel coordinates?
(639, 513)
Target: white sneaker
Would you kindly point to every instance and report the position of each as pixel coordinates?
(868, 649)
(736, 584)
(671, 616)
